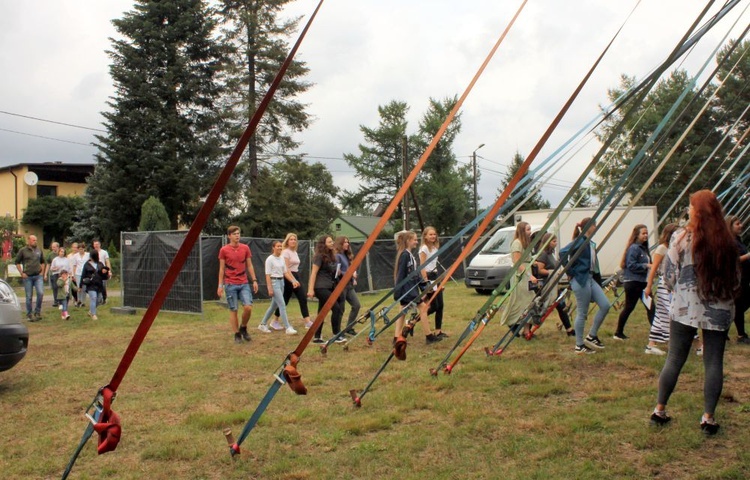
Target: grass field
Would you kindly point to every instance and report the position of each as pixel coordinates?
(537, 412)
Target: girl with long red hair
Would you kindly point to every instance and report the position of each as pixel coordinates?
(702, 270)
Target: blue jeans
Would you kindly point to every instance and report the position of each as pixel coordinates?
(31, 283)
(53, 284)
(350, 295)
(64, 303)
(238, 292)
(93, 297)
(81, 291)
(277, 302)
(584, 294)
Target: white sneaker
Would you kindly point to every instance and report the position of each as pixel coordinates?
(276, 326)
(264, 328)
(654, 351)
(308, 324)
(291, 331)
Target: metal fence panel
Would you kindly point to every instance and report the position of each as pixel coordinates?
(146, 256)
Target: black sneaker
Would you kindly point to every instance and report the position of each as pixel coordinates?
(30, 317)
(443, 335)
(340, 339)
(709, 428)
(432, 338)
(744, 339)
(351, 332)
(660, 419)
(593, 342)
(237, 338)
(620, 336)
(37, 316)
(243, 333)
(583, 350)
(318, 340)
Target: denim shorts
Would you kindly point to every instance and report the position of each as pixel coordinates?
(235, 292)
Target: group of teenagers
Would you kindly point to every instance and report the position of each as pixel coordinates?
(75, 276)
(702, 273)
(332, 258)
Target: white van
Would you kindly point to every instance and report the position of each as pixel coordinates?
(491, 265)
(493, 262)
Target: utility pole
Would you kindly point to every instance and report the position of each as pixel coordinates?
(474, 168)
(405, 166)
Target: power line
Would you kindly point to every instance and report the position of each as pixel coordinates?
(52, 121)
(47, 138)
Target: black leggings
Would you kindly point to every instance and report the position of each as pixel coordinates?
(437, 305)
(680, 340)
(337, 312)
(298, 292)
(740, 307)
(633, 292)
(564, 318)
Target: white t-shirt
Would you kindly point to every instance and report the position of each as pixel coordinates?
(59, 264)
(292, 258)
(79, 261)
(103, 257)
(432, 264)
(275, 266)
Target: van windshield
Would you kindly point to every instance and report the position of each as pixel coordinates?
(499, 243)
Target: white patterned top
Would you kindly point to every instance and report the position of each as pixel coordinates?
(687, 307)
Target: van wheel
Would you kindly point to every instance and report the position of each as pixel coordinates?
(483, 291)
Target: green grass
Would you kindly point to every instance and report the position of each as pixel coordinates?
(536, 412)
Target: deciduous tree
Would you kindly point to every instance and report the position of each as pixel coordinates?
(684, 162)
(299, 199)
(55, 215)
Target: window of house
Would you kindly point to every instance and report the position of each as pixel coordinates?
(46, 190)
(338, 227)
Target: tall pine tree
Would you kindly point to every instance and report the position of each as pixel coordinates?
(379, 164)
(444, 191)
(535, 202)
(163, 128)
(256, 41)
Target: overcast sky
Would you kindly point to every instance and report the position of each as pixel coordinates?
(362, 54)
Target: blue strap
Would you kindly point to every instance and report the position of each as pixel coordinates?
(84, 438)
(260, 409)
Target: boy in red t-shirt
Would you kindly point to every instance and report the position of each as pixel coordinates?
(234, 263)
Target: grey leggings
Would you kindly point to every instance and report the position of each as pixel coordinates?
(680, 340)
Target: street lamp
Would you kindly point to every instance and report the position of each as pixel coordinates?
(474, 167)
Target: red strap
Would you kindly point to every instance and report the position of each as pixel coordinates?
(406, 184)
(108, 427)
(201, 218)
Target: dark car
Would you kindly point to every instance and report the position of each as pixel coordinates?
(14, 336)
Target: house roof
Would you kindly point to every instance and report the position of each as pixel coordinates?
(57, 171)
(361, 223)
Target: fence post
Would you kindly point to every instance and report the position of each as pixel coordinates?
(369, 273)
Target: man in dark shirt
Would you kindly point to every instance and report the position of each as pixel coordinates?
(30, 263)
